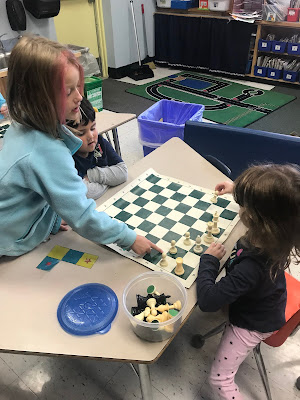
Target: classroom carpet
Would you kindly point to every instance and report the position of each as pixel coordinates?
(225, 102)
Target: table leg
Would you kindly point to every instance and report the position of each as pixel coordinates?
(145, 381)
(116, 141)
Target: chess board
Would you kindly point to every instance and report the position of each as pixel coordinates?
(164, 209)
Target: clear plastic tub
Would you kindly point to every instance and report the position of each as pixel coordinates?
(164, 283)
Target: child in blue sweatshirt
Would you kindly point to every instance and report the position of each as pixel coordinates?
(96, 161)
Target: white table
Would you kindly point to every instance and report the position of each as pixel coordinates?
(31, 296)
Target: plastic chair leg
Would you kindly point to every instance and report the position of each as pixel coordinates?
(262, 370)
(198, 341)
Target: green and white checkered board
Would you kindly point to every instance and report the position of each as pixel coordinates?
(164, 209)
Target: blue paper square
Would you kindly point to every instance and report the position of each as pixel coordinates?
(48, 263)
(72, 256)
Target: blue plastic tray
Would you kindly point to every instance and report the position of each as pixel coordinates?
(88, 309)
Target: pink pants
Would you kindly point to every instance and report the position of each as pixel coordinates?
(235, 345)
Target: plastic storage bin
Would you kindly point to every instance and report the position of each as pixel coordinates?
(274, 73)
(163, 3)
(293, 48)
(290, 76)
(182, 4)
(278, 47)
(164, 120)
(260, 71)
(265, 45)
(164, 283)
(219, 5)
(93, 91)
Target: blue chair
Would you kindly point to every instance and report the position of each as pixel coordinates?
(234, 149)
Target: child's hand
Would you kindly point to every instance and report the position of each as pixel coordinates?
(217, 250)
(224, 187)
(63, 226)
(143, 245)
(4, 110)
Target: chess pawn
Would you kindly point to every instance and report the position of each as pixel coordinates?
(163, 261)
(140, 316)
(163, 307)
(179, 270)
(151, 302)
(187, 240)
(208, 238)
(151, 318)
(176, 305)
(198, 248)
(215, 230)
(165, 316)
(147, 311)
(173, 249)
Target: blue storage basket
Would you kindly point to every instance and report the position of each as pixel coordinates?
(174, 114)
(182, 4)
(290, 76)
(260, 71)
(278, 47)
(293, 48)
(274, 73)
(265, 45)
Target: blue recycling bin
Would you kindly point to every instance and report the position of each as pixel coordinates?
(164, 120)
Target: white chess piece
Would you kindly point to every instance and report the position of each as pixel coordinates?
(208, 237)
(163, 261)
(215, 230)
(198, 248)
(214, 199)
(173, 249)
(179, 270)
(187, 240)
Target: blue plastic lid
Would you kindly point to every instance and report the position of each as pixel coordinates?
(88, 309)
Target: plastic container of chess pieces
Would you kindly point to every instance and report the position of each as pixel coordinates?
(164, 283)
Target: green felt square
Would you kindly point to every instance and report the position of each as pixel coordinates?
(159, 199)
(121, 204)
(174, 186)
(146, 226)
(183, 208)
(143, 213)
(171, 236)
(187, 272)
(154, 257)
(196, 194)
(123, 216)
(194, 233)
(178, 196)
(156, 189)
(206, 217)
(187, 220)
(180, 253)
(227, 214)
(153, 179)
(162, 210)
(219, 234)
(222, 202)
(202, 205)
(130, 227)
(138, 191)
(141, 201)
(167, 223)
(152, 238)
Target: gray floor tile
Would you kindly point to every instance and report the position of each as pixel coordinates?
(7, 375)
(19, 363)
(17, 391)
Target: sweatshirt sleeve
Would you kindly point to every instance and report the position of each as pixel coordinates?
(110, 176)
(52, 174)
(95, 190)
(213, 295)
(2, 100)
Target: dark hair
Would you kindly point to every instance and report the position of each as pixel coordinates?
(270, 199)
(87, 114)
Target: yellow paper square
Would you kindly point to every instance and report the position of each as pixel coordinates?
(58, 252)
(87, 260)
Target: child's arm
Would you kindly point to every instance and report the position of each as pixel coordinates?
(94, 189)
(224, 187)
(213, 295)
(109, 176)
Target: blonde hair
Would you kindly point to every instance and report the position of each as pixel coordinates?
(36, 94)
(270, 199)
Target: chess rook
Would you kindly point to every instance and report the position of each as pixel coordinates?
(179, 270)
